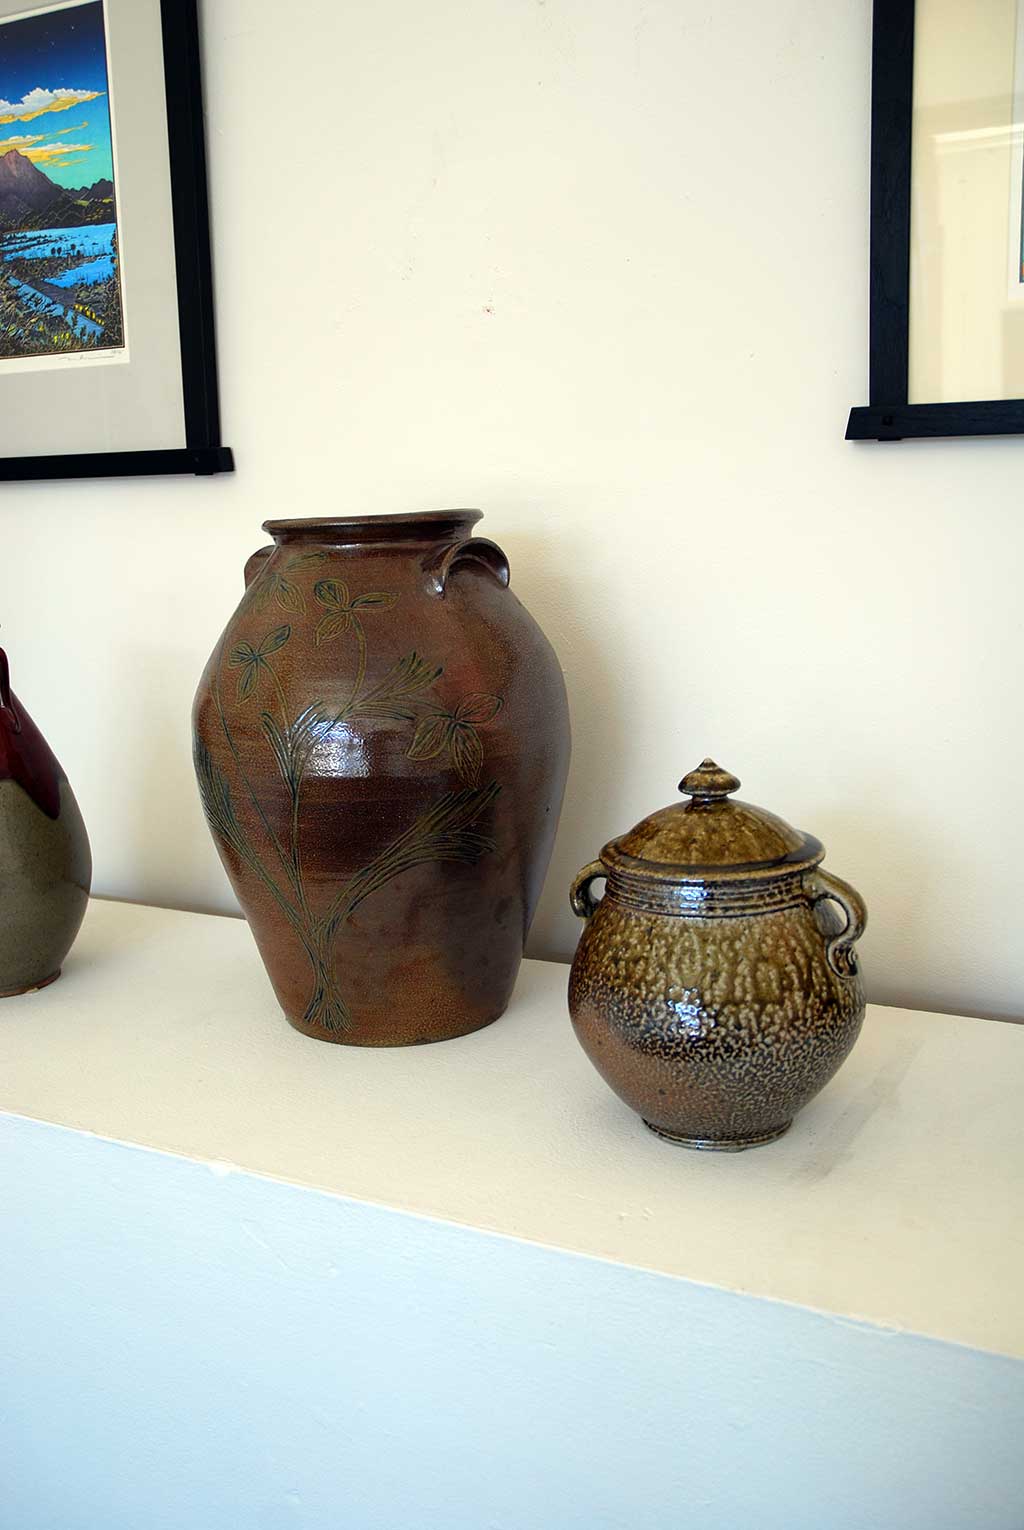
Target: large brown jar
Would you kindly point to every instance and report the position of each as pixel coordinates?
(381, 743)
(715, 986)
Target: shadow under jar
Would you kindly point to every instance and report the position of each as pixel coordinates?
(715, 987)
(381, 744)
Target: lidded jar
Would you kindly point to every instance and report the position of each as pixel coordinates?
(715, 986)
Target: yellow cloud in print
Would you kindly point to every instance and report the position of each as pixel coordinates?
(23, 144)
(53, 153)
(38, 101)
(45, 154)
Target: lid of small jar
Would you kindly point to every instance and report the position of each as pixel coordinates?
(711, 835)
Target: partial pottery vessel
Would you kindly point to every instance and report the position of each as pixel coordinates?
(45, 861)
(715, 988)
(381, 742)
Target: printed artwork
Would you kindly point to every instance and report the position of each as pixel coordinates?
(60, 266)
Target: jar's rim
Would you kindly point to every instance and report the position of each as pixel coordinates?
(339, 530)
(808, 854)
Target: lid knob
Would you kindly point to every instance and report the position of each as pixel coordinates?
(709, 783)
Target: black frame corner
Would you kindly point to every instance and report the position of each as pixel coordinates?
(889, 416)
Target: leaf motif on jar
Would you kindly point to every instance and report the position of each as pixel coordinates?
(457, 732)
(272, 586)
(341, 608)
(395, 695)
(253, 661)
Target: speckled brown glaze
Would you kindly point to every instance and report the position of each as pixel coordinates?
(715, 987)
(45, 861)
(381, 742)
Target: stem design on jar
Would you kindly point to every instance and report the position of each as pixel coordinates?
(446, 831)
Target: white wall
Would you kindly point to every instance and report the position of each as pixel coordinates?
(216, 1348)
(600, 268)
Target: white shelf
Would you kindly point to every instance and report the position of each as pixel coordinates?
(461, 1286)
(895, 1198)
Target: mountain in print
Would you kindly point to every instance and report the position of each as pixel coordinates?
(30, 200)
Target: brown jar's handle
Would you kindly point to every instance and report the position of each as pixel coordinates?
(583, 905)
(254, 565)
(480, 550)
(839, 951)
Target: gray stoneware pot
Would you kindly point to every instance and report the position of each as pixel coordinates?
(45, 862)
(715, 986)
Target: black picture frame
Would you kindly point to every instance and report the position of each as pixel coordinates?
(203, 452)
(889, 416)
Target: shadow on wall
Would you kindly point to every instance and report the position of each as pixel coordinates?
(599, 733)
(896, 872)
(170, 846)
(874, 879)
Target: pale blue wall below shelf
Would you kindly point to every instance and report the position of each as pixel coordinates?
(190, 1348)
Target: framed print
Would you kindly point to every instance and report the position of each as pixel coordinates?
(947, 221)
(107, 357)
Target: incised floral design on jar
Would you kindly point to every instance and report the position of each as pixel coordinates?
(449, 830)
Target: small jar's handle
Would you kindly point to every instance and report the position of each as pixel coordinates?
(440, 565)
(8, 711)
(254, 565)
(839, 951)
(583, 905)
